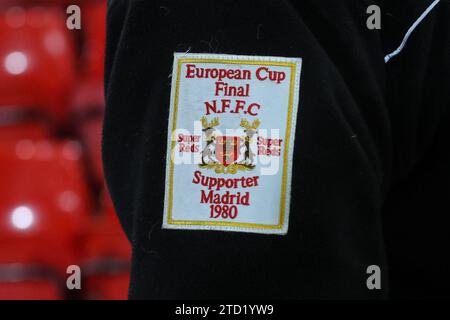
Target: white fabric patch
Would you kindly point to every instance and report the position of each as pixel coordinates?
(229, 157)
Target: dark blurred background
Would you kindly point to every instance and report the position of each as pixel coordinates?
(54, 207)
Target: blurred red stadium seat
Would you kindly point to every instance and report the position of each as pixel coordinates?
(21, 124)
(45, 201)
(37, 59)
(30, 290)
(104, 286)
(50, 212)
(106, 264)
(24, 131)
(87, 108)
(88, 103)
(106, 255)
(94, 29)
(105, 239)
(91, 135)
(29, 282)
(88, 98)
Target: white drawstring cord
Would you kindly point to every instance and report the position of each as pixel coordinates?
(410, 31)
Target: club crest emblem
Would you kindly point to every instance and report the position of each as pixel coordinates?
(228, 154)
(227, 150)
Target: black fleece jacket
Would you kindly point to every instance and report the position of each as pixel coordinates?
(370, 181)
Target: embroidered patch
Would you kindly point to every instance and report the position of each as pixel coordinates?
(229, 157)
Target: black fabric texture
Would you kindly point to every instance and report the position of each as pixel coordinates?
(371, 173)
